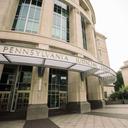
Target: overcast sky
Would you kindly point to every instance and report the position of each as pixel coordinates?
(112, 21)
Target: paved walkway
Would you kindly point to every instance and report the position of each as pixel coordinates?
(12, 124)
(117, 109)
(89, 121)
(112, 116)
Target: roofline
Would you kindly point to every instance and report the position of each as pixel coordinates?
(92, 10)
(101, 35)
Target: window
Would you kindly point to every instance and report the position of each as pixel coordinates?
(27, 16)
(57, 90)
(83, 25)
(61, 21)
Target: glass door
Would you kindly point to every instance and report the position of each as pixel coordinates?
(7, 85)
(15, 88)
(23, 86)
(63, 99)
(57, 91)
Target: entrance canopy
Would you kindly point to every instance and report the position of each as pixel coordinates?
(45, 58)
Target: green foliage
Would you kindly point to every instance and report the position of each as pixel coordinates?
(114, 96)
(120, 95)
(119, 83)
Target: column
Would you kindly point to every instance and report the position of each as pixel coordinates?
(77, 99)
(7, 13)
(3, 10)
(91, 42)
(76, 38)
(38, 108)
(95, 95)
(102, 93)
(47, 18)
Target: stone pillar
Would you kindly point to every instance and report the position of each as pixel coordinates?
(102, 93)
(77, 101)
(47, 18)
(7, 13)
(3, 9)
(95, 95)
(37, 108)
(75, 28)
(91, 42)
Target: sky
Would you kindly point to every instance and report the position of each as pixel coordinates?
(112, 21)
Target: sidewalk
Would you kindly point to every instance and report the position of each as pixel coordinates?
(112, 116)
(116, 109)
(89, 121)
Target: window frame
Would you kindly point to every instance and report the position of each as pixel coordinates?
(61, 11)
(20, 16)
(83, 27)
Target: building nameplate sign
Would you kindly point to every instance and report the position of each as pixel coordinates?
(41, 53)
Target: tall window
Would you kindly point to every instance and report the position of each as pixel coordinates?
(83, 25)
(61, 21)
(27, 16)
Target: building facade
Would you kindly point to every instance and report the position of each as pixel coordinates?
(102, 55)
(124, 71)
(49, 59)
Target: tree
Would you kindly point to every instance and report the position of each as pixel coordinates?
(119, 82)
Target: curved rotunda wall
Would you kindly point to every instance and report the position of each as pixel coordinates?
(81, 19)
(44, 36)
(61, 27)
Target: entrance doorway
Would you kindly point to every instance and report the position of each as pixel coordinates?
(15, 86)
(57, 91)
(63, 99)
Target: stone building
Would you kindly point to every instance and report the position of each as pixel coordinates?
(49, 59)
(124, 71)
(102, 55)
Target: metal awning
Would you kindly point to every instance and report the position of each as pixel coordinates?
(45, 58)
